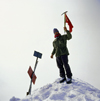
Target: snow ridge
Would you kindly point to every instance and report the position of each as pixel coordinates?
(77, 91)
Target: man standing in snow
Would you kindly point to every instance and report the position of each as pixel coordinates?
(61, 52)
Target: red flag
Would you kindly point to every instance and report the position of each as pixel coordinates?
(30, 71)
(69, 23)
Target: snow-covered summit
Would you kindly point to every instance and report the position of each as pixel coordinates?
(77, 91)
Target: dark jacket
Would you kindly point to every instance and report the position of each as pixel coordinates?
(60, 44)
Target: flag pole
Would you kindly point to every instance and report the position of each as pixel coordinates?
(64, 22)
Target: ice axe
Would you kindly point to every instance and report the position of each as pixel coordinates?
(64, 18)
(64, 12)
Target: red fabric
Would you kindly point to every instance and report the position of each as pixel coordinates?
(57, 35)
(30, 71)
(69, 23)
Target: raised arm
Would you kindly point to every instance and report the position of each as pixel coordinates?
(68, 36)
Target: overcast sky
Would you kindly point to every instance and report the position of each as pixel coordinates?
(27, 25)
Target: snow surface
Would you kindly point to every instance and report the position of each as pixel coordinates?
(77, 91)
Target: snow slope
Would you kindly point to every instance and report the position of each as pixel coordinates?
(77, 91)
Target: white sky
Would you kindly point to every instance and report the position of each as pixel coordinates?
(27, 25)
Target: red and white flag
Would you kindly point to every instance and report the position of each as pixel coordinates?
(69, 23)
(30, 71)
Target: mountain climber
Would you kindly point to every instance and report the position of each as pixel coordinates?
(61, 52)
